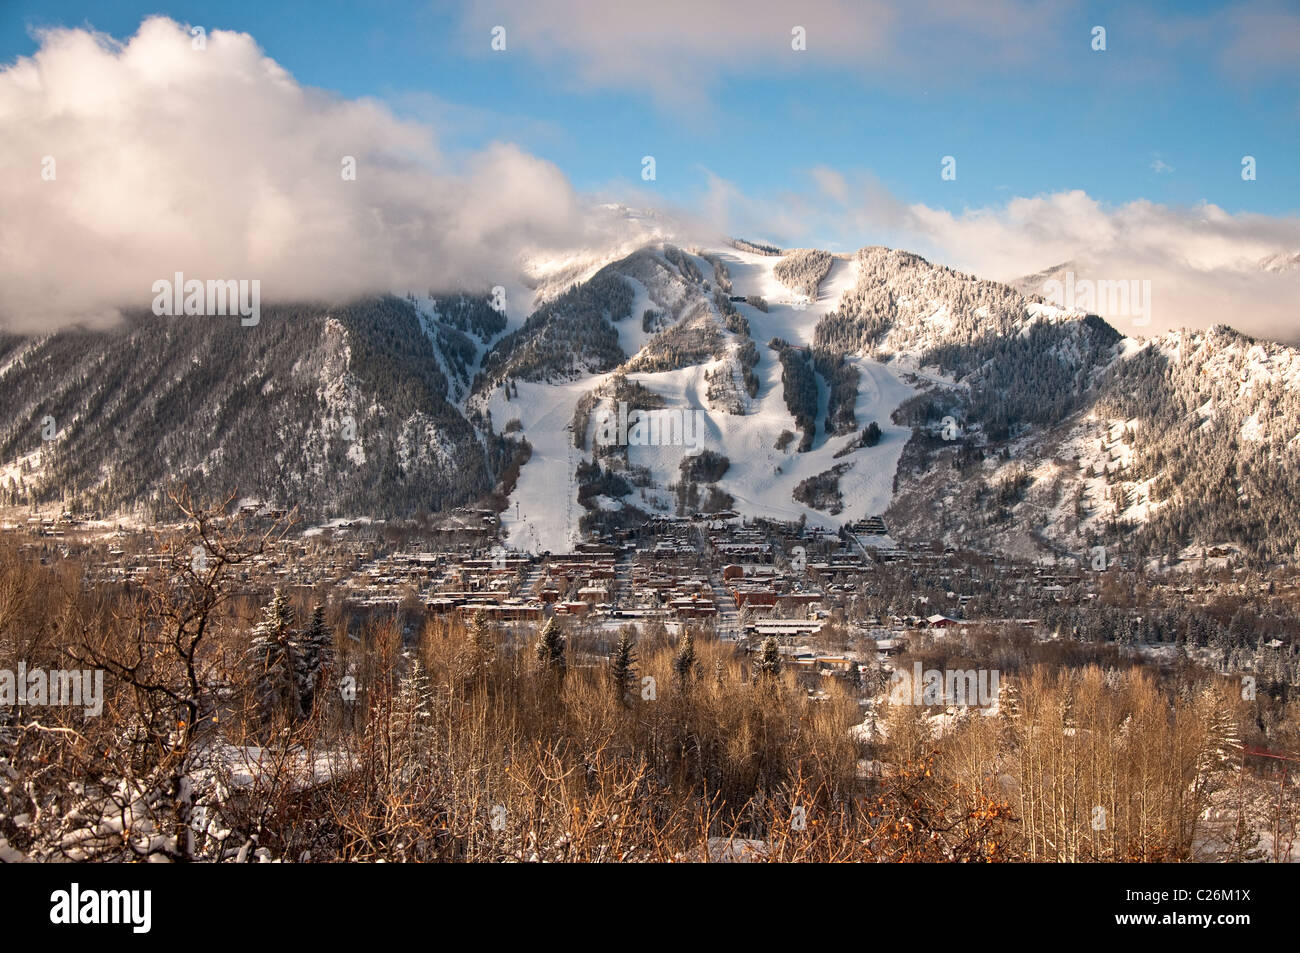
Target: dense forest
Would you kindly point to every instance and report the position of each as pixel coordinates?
(568, 336)
(1217, 416)
(799, 383)
(804, 270)
(334, 410)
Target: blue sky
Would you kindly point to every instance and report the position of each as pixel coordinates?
(1067, 118)
(477, 166)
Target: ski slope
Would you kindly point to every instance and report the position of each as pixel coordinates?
(543, 513)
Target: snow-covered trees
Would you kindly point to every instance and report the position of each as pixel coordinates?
(272, 655)
(756, 248)
(569, 335)
(747, 354)
(799, 385)
(286, 662)
(803, 270)
(1194, 410)
(1019, 369)
(411, 717)
(550, 648)
(317, 657)
(842, 379)
(707, 466)
(693, 340)
(822, 491)
(372, 352)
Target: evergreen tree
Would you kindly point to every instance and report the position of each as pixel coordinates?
(550, 647)
(316, 655)
(623, 666)
(272, 656)
(769, 660)
(685, 660)
(481, 650)
(410, 718)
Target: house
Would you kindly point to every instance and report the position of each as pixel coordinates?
(755, 597)
(693, 607)
(942, 622)
(785, 627)
(795, 599)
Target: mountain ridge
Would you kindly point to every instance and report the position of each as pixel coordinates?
(986, 402)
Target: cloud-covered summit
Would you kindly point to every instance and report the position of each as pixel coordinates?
(125, 162)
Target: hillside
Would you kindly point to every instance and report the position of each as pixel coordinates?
(828, 388)
(335, 410)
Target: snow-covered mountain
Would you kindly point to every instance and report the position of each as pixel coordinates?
(1004, 422)
(340, 410)
(789, 385)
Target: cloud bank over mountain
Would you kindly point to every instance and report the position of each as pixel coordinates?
(1204, 263)
(127, 162)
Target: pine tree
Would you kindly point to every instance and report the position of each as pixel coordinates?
(623, 666)
(272, 655)
(769, 662)
(410, 717)
(316, 655)
(481, 649)
(685, 660)
(550, 647)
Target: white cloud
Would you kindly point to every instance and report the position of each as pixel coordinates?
(1204, 263)
(218, 164)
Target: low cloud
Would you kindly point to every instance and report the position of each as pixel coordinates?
(1206, 266)
(127, 162)
(217, 164)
